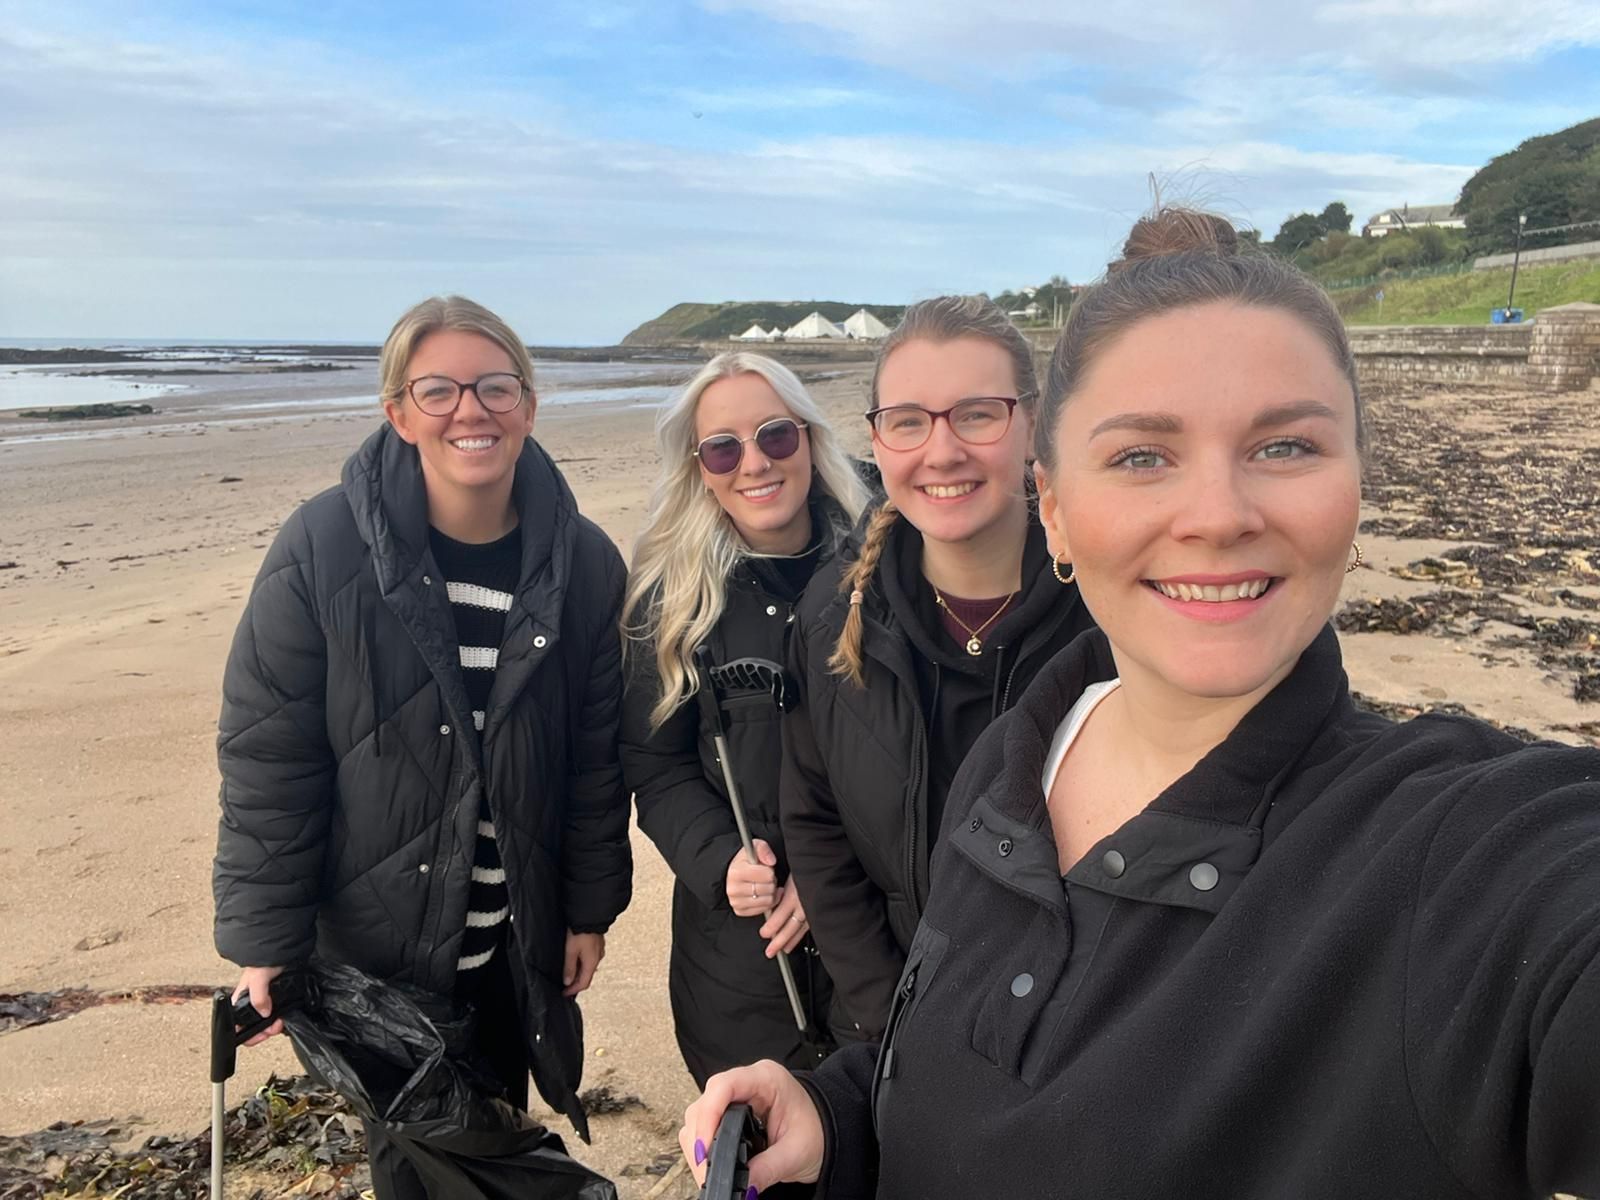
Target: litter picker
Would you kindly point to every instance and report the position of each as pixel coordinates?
(231, 1026)
(711, 710)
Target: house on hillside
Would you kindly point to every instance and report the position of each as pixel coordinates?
(1440, 216)
(814, 326)
(864, 327)
(1029, 312)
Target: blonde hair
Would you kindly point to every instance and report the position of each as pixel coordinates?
(431, 316)
(677, 587)
(942, 319)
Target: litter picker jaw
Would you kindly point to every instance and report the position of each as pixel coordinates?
(711, 711)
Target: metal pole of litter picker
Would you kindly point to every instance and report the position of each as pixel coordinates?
(711, 709)
(223, 1060)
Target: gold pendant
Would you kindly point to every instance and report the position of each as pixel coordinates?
(974, 646)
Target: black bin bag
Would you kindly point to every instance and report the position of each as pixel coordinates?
(403, 1063)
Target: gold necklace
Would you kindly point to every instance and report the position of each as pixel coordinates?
(974, 642)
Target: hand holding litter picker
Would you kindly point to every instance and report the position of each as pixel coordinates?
(711, 711)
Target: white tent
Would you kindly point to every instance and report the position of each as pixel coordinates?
(814, 326)
(776, 335)
(865, 327)
(754, 334)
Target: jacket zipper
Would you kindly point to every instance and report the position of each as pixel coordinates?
(913, 858)
(907, 991)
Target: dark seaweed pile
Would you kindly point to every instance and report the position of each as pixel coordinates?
(1517, 478)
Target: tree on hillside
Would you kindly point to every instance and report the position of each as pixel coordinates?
(1554, 179)
(1298, 232)
(1335, 218)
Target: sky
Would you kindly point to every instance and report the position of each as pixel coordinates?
(216, 169)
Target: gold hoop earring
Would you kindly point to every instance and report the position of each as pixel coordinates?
(1055, 565)
(1360, 558)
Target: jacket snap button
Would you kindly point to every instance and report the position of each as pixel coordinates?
(444, 730)
(1005, 847)
(1113, 864)
(427, 581)
(1203, 876)
(976, 825)
(423, 869)
(539, 641)
(772, 610)
(1022, 985)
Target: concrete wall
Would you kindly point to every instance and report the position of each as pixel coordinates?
(1449, 354)
(1547, 254)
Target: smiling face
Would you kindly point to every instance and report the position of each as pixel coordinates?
(472, 452)
(952, 491)
(1206, 490)
(764, 497)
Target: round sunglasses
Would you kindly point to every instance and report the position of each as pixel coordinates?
(721, 453)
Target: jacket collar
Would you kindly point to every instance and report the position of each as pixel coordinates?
(384, 485)
(1212, 815)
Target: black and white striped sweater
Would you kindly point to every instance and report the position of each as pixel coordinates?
(479, 580)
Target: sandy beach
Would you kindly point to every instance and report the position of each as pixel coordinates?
(125, 562)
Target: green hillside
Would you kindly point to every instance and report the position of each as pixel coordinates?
(1467, 299)
(718, 322)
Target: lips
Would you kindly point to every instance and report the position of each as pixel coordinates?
(765, 492)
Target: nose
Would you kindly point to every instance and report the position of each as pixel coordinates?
(1218, 508)
(753, 461)
(462, 411)
(943, 448)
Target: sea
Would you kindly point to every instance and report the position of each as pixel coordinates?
(197, 384)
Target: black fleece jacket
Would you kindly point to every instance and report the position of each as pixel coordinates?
(1340, 957)
(859, 792)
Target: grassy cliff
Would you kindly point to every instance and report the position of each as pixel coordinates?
(1466, 299)
(716, 322)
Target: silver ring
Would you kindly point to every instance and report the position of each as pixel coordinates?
(794, 918)
(753, 895)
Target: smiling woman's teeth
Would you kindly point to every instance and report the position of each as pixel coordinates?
(1211, 593)
(479, 443)
(761, 493)
(948, 491)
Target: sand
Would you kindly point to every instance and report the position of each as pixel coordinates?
(133, 559)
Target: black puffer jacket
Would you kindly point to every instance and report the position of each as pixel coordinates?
(728, 1002)
(352, 777)
(855, 790)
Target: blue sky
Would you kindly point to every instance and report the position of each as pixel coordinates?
(309, 170)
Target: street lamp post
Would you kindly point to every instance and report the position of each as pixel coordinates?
(1522, 220)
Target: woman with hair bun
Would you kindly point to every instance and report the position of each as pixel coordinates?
(931, 623)
(754, 495)
(1199, 926)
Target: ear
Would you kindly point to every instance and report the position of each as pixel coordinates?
(1050, 515)
(533, 405)
(400, 417)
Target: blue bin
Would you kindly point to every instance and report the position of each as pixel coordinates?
(1506, 316)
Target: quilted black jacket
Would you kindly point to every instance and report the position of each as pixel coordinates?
(353, 779)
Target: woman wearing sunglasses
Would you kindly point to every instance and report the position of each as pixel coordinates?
(916, 638)
(754, 496)
(418, 733)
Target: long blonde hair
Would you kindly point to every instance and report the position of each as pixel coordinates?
(677, 587)
(941, 319)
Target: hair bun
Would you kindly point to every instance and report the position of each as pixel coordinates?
(1178, 231)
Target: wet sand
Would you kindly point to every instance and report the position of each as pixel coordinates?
(125, 563)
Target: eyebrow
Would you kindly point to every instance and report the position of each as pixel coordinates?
(1158, 422)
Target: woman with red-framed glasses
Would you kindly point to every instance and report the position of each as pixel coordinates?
(754, 495)
(933, 621)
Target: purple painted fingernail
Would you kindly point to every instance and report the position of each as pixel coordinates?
(752, 1193)
(699, 1152)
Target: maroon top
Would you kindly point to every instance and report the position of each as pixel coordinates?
(976, 613)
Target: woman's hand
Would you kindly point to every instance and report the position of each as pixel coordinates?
(787, 924)
(753, 886)
(257, 981)
(795, 1141)
(582, 959)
